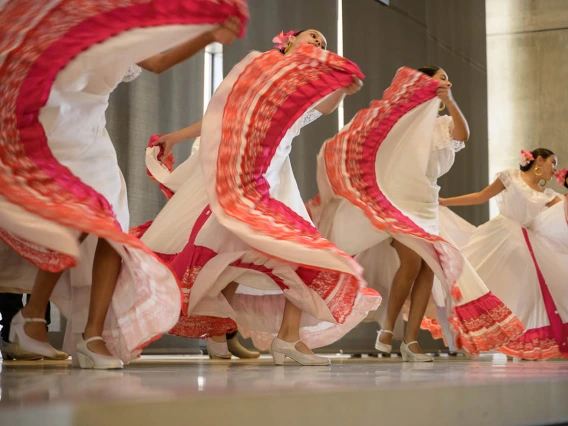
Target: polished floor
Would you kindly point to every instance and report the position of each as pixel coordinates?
(193, 390)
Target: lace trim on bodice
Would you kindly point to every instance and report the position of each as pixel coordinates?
(132, 74)
(443, 135)
(309, 117)
(513, 177)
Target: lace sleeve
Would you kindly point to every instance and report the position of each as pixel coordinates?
(133, 72)
(551, 194)
(505, 177)
(310, 116)
(443, 135)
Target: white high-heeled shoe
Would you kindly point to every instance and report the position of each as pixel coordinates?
(380, 346)
(281, 349)
(92, 360)
(18, 336)
(409, 356)
(218, 350)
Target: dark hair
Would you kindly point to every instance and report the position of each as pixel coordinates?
(296, 34)
(429, 70)
(539, 152)
(566, 181)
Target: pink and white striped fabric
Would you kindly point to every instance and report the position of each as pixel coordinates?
(59, 176)
(374, 186)
(240, 217)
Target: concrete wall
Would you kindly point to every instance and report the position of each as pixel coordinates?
(414, 33)
(527, 71)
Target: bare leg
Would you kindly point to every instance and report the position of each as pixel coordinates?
(409, 269)
(228, 292)
(37, 305)
(43, 287)
(106, 268)
(290, 328)
(421, 292)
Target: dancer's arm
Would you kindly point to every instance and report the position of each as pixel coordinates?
(553, 202)
(460, 131)
(330, 104)
(172, 139)
(224, 34)
(475, 198)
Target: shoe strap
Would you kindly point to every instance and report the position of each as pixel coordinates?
(30, 320)
(386, 331)
(411, 343)
(94, 339)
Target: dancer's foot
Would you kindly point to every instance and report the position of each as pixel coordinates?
(35, 330)
(300, 346)
(31, 334)
(88, 358)
(218, 349)
(298, 351)
(96, 346)
(413, 352)
(384, 341)
(238, 350)
(13, 351)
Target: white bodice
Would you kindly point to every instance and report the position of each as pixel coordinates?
(285, 146)
(444, 149)
(519, 202)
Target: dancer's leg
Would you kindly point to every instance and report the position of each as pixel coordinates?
(106, 267)
(410, 263)
(419, 298)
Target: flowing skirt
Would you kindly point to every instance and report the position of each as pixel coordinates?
(527, 270)
(373, 189)
(59, 175)
(270, 247)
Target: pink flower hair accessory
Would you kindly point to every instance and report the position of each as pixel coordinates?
(282, 39)
(526, 157)
(561, 176)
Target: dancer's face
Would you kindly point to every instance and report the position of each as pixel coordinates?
(443, 77)
(548, 166)
(313, 37)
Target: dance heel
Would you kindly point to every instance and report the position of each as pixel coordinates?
(409, 356)
(91, 360)
(19, 337)
(278, 358)
(235, 348)
(380, 346)
(281, 349)
(218, 350)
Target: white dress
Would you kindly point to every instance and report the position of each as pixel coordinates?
(378, 182)
(207, 250)
(58, 168)
(522, 256)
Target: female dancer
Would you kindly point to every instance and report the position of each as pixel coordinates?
(393, 223)
(60, 181)
(521, 254)
(159, 163)
(236, 231)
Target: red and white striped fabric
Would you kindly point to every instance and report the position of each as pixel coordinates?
(374, 186)
(240, 217)
(59, 176)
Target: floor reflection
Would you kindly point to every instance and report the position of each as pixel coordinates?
(163, 378)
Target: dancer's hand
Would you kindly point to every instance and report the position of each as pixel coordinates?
(444, 93)
(167, 141)
(442, 202)
(353, 87)
(226, 33)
